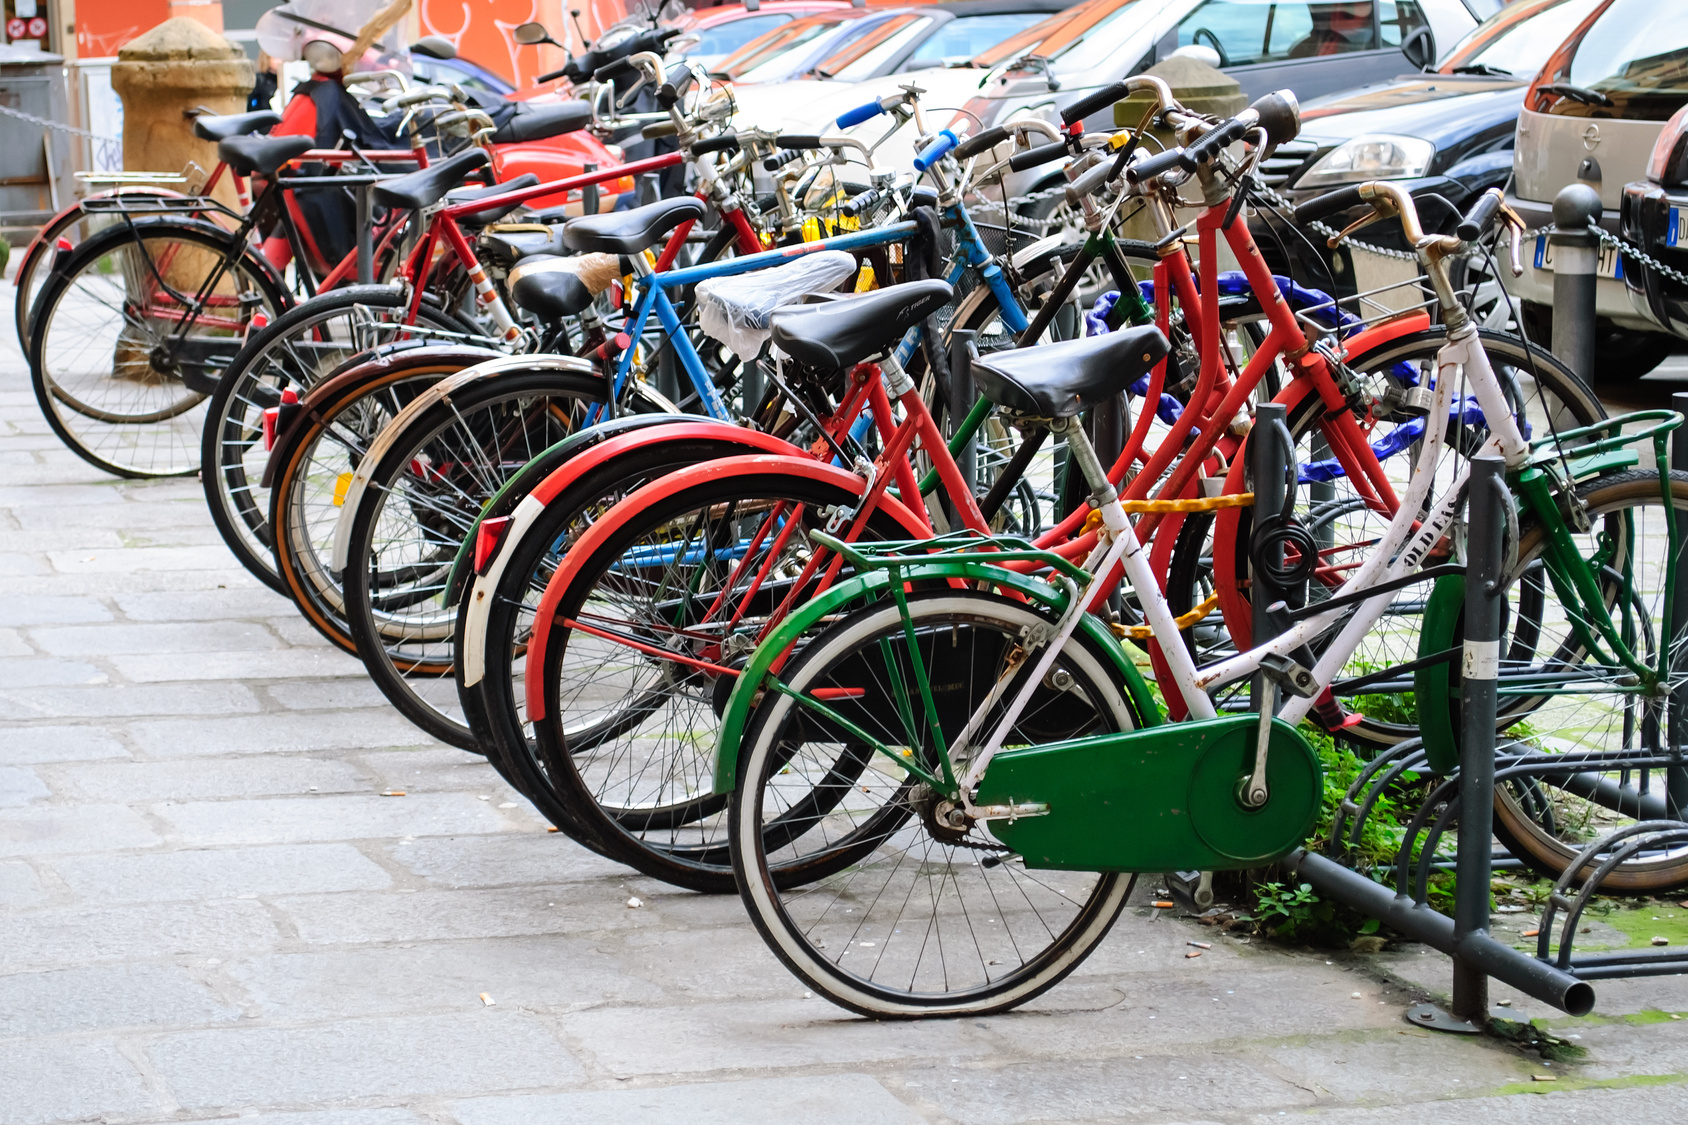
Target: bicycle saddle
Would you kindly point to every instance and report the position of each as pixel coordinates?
(533, 122)
(549, 287)
(219, 127)
(416, 190)
(491, 214)
(629, 232)
(1059, 380)
(845, 332)
(261, 155)
(506, 247)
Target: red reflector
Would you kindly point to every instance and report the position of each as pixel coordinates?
(64, 245)
(270, 416)
(289, 397)
(838, 692)
(488, 538)
(258, 323)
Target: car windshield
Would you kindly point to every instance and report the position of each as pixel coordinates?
(725, 38)
(767, 50)
(961, 39)
(1517, 40)
(857, 56)
(1631, 63)
(1072, 41)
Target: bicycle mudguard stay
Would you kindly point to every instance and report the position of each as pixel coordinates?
(655, 493)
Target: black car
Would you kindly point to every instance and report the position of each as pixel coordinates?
(1446, 134)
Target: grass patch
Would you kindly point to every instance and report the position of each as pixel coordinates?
(1642, 921)
(1566, 1083)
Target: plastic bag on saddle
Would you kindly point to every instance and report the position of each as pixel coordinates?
(735, 310)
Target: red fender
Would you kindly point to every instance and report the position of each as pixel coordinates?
(754, 442)
(1379, 334)
(37, 245)
(658, 491)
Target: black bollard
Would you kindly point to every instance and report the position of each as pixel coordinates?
(1576, 254)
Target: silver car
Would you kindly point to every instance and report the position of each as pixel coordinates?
(1593, 114)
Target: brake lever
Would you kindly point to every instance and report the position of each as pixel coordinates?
(1382, 208)
(1514, 238)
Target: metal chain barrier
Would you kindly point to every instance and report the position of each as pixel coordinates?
(107, 151)
(1271, 196)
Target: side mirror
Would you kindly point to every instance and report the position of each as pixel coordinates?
(433, 47)
(532, 34)
(1420, 48)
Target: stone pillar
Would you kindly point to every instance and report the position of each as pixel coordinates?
(178, 65)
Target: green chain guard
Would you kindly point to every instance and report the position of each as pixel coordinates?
(1436, 687)
(1162, 799)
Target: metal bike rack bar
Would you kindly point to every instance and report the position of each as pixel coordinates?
(1465, 937)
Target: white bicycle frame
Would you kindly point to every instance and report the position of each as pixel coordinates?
(1461, 360)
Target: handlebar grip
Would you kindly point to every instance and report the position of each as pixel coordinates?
(726, 142)
(981, 142)
(609, 72)
(798, 140)
(862, 203)
(1090, 103)
(936, 151)
(1482, 213)
(1212, 142)
(1035, 157)
(1323, 206)
(858, 115)
(651, 130)
(1159, 164)
(674, 86)
(780, 159)
(552, 76)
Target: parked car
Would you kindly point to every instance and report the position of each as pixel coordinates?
(1654, 216)
(1594, 113)
(1446, 134)
(1098, 42)
(711, 34)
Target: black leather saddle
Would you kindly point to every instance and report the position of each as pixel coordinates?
(845, 332)
(629, 232)
(417, 190)
(504, 248)
(261, 155)
(548, 287)
(537, 122)
(491, 214)
(219, 127)
(1059, 380)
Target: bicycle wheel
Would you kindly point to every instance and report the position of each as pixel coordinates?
(628, 735)
(295, 352)
(1558, 695)
(126, 327)
(1210, 556)
(496, 704)
(316, 465)
(75, 225)
(423, 496)
(914, 913)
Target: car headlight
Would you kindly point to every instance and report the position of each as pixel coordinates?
(1375, 157)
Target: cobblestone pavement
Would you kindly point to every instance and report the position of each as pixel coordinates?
(207, 909)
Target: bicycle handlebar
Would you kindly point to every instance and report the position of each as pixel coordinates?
(1482, 213)
(725, 142)
(940, 147)
(981, 142)
(1328, 204)
(1036, 157)
(858, 115)
(1090, 103)
(673, 89)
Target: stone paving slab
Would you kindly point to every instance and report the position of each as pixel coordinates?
(207, 911)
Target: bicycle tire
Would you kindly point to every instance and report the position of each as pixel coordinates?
(233, 416)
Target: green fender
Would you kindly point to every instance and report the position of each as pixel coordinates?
(878, 583)
(1436, 687)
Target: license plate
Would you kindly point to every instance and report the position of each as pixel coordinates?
(1609, 264)
(1677, 233)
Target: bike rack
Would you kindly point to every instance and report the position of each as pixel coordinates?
(1556, 973)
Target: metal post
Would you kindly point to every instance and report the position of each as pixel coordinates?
(1576, 253)
(589, 193)
(1485, 527)
(1676, 780)
(751, 387)
(650, 188)
(962, 396)
(366, 243)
